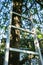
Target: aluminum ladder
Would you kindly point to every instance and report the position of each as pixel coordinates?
(8, 48)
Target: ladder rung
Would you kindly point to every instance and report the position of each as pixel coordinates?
(21, 15)
(25, 30)
(2, 50)
(24, 51)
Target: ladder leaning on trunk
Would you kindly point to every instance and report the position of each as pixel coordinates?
(8, 48)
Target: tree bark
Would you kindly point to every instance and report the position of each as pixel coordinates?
(15, 34)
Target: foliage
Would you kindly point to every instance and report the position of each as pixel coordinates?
(29, 8)
(35, 11)
(5, 7)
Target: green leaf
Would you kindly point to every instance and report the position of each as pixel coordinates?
(40, 36)
(30, 1)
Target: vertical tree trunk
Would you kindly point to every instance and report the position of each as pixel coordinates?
(15, 34)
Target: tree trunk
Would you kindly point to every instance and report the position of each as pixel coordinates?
(15, 34)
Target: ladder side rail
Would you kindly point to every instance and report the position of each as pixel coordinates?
(6, 60)
(36, 43)
(37, 48)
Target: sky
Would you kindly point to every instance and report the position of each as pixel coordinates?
(5, 8)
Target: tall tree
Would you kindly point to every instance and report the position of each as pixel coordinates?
(15, 41)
